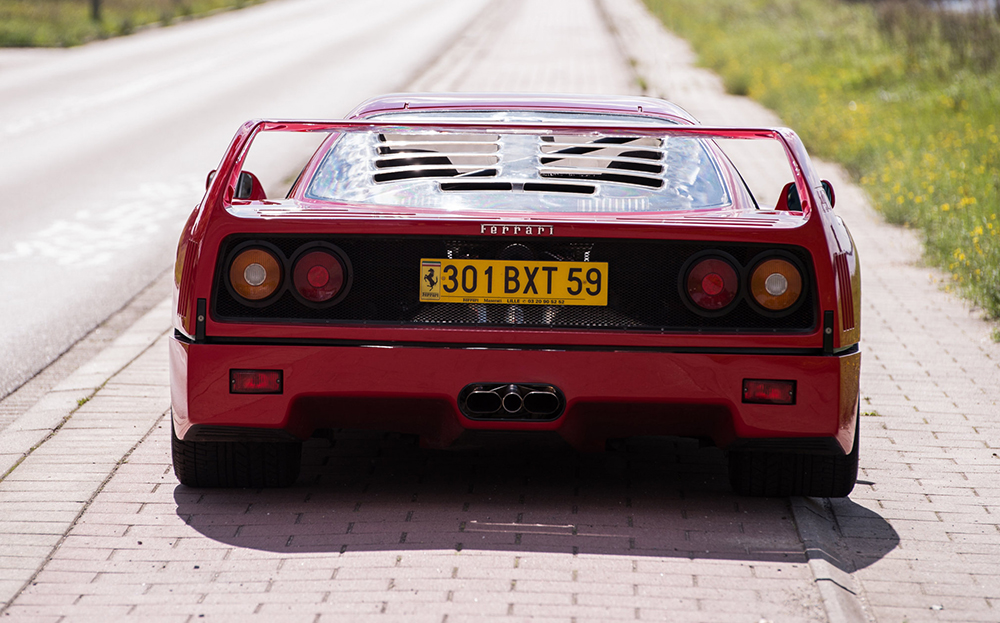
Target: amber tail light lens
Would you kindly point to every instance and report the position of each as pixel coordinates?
(255, 274)
(712, 284)
(776, 284)
(318, 276)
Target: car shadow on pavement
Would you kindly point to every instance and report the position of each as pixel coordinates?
(663, 497)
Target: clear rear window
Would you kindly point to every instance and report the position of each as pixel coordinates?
(520, 172)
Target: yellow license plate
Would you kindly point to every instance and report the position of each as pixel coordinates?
(513, 282)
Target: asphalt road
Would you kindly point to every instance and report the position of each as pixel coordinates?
(104, 148)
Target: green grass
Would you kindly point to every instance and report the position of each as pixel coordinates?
(62, 23)
(907, 99)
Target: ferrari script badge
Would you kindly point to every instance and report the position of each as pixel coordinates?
(492, 229)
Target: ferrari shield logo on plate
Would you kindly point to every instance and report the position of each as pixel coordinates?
(513, 282)
(430, 280)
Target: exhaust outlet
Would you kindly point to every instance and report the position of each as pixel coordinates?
(512, 401)
(483, 401)
(537, 402)
(542, 402)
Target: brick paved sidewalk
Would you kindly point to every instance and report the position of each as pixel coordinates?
(93, 524)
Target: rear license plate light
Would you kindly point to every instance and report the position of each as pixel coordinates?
(770, 392)
(255, 381)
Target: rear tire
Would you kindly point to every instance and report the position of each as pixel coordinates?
(245, 464)
(783, 474)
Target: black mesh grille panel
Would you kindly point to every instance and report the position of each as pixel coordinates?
(643, 292)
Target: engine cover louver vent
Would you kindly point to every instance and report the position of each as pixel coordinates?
(410, 156)
(632, 161)
(636, 161)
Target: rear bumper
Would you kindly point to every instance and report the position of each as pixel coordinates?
(608, 394)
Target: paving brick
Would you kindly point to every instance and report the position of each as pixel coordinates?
(926, 614)
(193, 612)
(31, 613)
(105, 612)
(693, 567)
(974, 591)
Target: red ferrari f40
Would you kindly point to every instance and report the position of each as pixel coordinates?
(590, 266)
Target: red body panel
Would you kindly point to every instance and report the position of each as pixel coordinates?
(407, 378)
(609, 394)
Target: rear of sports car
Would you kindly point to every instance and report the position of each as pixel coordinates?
(471, 266)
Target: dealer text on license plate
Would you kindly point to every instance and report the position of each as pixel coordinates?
(508, 282)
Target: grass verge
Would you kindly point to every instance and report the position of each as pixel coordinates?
(905, 97)
(62, 23)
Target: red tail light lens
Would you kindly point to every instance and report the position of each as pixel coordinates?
(319, 276)
(772, 392)
(255, 381)
(712, 284)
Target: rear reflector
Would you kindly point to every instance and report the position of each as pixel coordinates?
(764, 391)
(255, 381)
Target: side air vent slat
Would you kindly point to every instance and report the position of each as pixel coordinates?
(403, 160)
(476, 186)
(576, 149)
(554, 170)
(549, 187)
(409, 173)
(624, 165)
(605, 154)
(633, 180)
(465, 143)
(538, 187)
(441, 163)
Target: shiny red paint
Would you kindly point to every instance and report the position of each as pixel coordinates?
(413, 389)
(407, 378)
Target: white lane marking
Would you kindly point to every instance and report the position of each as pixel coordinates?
(96, 236)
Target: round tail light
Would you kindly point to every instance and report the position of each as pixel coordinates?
(319, 276)
(712, 284)
(776, 284)
(255, 274)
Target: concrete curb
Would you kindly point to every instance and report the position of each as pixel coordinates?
(820, 538)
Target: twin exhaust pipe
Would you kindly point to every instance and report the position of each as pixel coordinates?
(511, 401)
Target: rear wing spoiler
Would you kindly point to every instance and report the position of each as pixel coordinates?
(221, 190)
